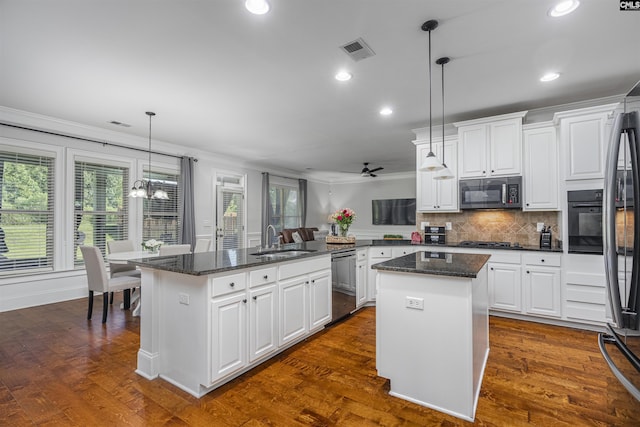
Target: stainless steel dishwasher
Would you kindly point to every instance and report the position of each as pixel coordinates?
(343, 283)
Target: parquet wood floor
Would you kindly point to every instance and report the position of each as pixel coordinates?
(58, 369)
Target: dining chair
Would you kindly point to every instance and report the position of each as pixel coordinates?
(98, 281)
(175, 249)
(202, 245)
(122, 269)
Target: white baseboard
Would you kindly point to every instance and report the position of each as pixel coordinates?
(48, 289)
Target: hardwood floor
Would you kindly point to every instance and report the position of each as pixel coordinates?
(57, 368)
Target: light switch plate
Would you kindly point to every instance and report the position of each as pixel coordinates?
(447, 226)
(184, 298)
(424, 224)
(539, 226)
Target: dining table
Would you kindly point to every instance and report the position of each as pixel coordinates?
(123, 258)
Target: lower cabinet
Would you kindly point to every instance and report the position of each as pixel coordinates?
(293, 309)
(263, 321)
(542, 285)
(229, 335)
(505, 286)
(361, 283)
(256, 313)
(319, 300)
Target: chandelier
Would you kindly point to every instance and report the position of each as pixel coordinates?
(143, 188)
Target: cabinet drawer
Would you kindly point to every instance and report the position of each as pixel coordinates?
(361, 254)
(228, 284)
(262, 276)
(551, 260)
(297, 268)
(507, 257)
(380, 252)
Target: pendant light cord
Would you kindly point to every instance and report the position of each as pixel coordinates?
(430, 108)
(443, 163)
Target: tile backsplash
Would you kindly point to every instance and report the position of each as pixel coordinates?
(495, 225)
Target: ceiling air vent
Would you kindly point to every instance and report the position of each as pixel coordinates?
(357, 49)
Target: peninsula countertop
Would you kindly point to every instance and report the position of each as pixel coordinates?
(437, 263)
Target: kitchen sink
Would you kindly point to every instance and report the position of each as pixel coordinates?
(282, 253)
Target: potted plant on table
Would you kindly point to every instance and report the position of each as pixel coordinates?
(152, 245)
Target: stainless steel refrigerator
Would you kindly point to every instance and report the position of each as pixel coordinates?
(620, 346)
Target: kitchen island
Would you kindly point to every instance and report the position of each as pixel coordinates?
(208, 317)
(432, 330)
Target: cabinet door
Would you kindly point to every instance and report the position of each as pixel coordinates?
(542, 291)
(437, 195)
(229, 330)
(319, 300)
(505, 147)
(472, 151)
(263, 321)
(584, 140)
(293, 305)
(361, 283)
(540, 169)
(505, 285)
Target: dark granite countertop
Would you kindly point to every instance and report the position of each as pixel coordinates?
(430, 246)
(232, 259)
(439, 263)
(204, 263)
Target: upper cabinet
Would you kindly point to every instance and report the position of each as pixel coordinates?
(433, 195)
(583, 138)
(490, 146)
(540, 160)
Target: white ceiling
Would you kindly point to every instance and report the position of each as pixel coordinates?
(262, 87)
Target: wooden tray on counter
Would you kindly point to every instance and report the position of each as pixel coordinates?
(340, 240)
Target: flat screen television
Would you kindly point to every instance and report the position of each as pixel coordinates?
(393, 212)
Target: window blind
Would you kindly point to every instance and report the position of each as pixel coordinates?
(26, 212)
(160, 217)
(284, 205)
(101, 206)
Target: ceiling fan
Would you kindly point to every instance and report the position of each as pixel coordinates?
(366, 172)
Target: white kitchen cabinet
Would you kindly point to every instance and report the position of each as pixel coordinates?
(541, 284)
(399, 251)
(361, 283)
(490, 146)
(377, 254)
(584, 293)
(263, 321)
(437, 195)
(294, 318)
(540, 159)
(505, 286)
(228, 335)
(319, 299)
(583, 138)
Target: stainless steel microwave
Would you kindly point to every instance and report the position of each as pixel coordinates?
(491, 193)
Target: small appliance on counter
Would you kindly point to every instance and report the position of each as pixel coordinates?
(545, 238)
(434, 235)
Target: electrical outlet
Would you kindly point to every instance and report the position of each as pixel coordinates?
(183, 298)
(415, 303)
(539, 226)
(424, 224)
(447, 226)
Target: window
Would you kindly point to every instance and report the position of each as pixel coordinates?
(100, 206)
(26, 212)
(285, 212)
(160, 217)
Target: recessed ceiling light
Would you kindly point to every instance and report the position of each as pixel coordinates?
(563, 8)
(386, 111)
(549, 77)
(343, 76)
(257, 7)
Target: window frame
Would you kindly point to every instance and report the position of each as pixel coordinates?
(280, 185)
(56, 154)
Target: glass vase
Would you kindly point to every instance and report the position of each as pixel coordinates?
(343, 230)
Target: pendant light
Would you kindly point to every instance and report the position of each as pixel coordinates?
(445, 172)
(431, 162)
(142, 188)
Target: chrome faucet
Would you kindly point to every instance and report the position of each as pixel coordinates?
(269, 244)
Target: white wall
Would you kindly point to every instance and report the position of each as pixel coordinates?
(358, 196)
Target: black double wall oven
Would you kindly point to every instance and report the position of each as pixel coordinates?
(585, 221)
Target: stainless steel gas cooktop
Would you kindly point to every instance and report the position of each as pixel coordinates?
(482, 244)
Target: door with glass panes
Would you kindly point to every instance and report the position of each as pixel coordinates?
(230, 218)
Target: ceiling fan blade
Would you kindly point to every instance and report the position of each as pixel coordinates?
(376, 169)
(372, 175)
